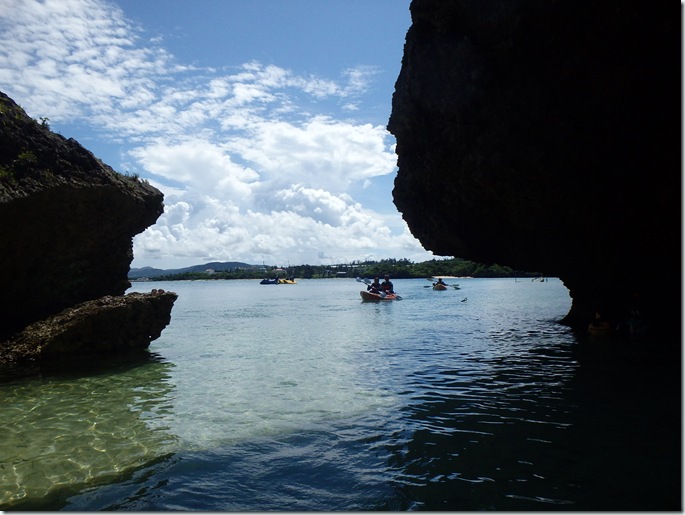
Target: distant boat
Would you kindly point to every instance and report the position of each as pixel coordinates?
(287, 281)
(440, 285)
(268, 281)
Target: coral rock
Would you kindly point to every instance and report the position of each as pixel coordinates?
(107, 325)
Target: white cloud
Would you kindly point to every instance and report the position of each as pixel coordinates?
(341, 229)
(359, 78)
(257, 162)
(68, 56)
(198, 164)
(323, 153)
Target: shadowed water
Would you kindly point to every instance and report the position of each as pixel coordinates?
(302, 397)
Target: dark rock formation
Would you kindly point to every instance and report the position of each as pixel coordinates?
(96, 327)
(67, 225)
(545, 135)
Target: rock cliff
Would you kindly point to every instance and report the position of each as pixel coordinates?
(545, 135)
(67, 226)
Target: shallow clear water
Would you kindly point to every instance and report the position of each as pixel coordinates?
(302, 397)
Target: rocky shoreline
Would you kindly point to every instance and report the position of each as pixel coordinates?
(100, 327)
(67, 239)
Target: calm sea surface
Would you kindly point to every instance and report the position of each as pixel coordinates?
(302, 397)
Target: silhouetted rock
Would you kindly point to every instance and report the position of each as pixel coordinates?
(545, 135)
(68, 221)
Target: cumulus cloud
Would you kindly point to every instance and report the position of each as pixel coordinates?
(199, 165)
(321, 152)
(303, 225)
(257, 162)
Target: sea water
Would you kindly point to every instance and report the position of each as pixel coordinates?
(303, 397)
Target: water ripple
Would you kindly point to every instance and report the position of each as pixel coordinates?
(271, 399)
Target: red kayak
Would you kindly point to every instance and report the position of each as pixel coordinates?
(439, 286)
(375, 297)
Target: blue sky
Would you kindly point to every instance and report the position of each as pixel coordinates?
(262, 121)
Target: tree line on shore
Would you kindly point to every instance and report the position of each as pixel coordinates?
(396, 268)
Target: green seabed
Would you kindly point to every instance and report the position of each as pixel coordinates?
(62, 432)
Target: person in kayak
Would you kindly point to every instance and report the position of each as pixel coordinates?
(386, 286)
(375, 286)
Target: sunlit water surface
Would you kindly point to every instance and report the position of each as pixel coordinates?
(302, 397)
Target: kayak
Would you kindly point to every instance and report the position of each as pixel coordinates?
(375, 297)
(286, 281)
(441, 285)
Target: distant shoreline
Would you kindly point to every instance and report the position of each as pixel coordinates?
(454, 268)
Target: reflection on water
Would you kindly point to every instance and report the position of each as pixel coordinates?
(69, 430)
(305, 398)
(483, 432)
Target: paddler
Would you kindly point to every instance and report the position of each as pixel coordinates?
(386, 286)
(375, 286)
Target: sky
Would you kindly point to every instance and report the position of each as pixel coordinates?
(263, 122)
